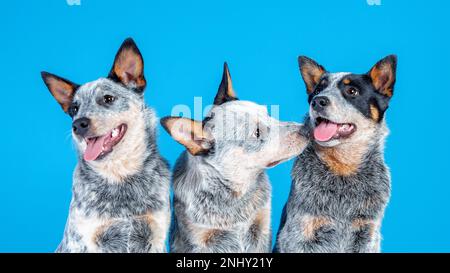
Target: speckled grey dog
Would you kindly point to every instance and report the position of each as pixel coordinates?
(121, 184)
(222, 196)
(340, 183)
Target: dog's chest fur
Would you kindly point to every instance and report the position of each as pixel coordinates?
(320, 191)
(128, 216)
(211, 217)
(331, 213)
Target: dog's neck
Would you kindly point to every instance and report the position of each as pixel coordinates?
(343, 160)
(238, 180)
(346, 159)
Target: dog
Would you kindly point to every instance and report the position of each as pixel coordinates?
(222, 196)
(340, 183)
(120, 199)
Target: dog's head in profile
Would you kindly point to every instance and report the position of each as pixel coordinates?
(239, 138)
(347, 107)
(108, 115)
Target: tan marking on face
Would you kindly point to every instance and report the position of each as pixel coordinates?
(375, 113)
(311, 224)
(346, 81)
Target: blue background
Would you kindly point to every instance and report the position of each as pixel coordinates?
(184, 45)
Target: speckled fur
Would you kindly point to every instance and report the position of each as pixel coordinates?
(340, 188)
(222, 195)
(120, 201)
(342, 201)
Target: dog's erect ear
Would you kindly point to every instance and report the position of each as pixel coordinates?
(189, 133)
(225, 92)
(311, 72)
(62, 90)
(383, 75)
(128, 67)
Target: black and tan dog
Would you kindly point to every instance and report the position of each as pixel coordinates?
(340, 183)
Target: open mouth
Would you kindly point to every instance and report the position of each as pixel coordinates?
(99, 146)
(327, 130)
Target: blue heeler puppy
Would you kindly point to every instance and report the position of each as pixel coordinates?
(121, 184)
(340, 183)
(222, 195)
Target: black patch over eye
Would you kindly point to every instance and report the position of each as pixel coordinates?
(358, 90)
(73, 110)
(108, 99)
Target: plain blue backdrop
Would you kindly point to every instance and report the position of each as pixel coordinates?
(184, 44)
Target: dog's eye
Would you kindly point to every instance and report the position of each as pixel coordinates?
(108, 99)
(73, 110)
(257, 133)
(352, 91)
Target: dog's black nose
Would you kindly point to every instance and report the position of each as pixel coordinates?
(81, 126)
(319, 103)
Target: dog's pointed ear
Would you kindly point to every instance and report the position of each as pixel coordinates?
(225, 92)
(128, 67)
(383, 75)
(189, 133)
(311, 72)
(61, 89)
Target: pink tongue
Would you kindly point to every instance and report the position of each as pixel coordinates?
(325, 131)
(94, 148)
